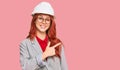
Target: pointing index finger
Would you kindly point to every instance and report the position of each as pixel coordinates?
(56, 45)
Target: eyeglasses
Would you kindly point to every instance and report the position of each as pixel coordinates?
(41, 19)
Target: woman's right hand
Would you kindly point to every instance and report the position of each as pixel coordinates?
(50, 51)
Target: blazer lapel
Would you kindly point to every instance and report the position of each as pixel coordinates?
(36, 46)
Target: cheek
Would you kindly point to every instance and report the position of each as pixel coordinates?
(37, 25)
(48, 26)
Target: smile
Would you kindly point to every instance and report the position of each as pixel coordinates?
(43, 27)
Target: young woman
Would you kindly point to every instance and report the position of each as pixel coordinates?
(42, 50)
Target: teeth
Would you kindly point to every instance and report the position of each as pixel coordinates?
(43, 27)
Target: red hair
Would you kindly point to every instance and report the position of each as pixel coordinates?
(51, 32)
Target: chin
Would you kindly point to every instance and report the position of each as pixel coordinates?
(41, 30)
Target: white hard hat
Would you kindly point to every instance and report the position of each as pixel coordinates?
(43, 7)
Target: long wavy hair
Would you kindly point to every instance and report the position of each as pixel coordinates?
(51, 32)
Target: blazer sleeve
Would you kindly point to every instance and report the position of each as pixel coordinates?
(63, 60)
(28, 63)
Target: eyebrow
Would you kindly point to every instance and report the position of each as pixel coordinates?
(40, 16)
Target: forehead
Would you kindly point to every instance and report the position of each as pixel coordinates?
(44, 15)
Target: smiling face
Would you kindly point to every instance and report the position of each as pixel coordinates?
(42, 23)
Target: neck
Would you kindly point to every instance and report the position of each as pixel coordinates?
(41, 35)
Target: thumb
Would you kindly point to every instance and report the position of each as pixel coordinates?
(48, 45)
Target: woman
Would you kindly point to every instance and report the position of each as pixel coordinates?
(42, 50)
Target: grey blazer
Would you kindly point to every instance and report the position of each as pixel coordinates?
(30, 57)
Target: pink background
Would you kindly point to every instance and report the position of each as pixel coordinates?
(89, 29)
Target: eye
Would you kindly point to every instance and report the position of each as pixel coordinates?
(47, 19)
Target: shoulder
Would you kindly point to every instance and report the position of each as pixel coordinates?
(25, 41)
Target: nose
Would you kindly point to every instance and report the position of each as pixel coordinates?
(44, 21)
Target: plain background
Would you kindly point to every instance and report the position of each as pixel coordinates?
(89, 29)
